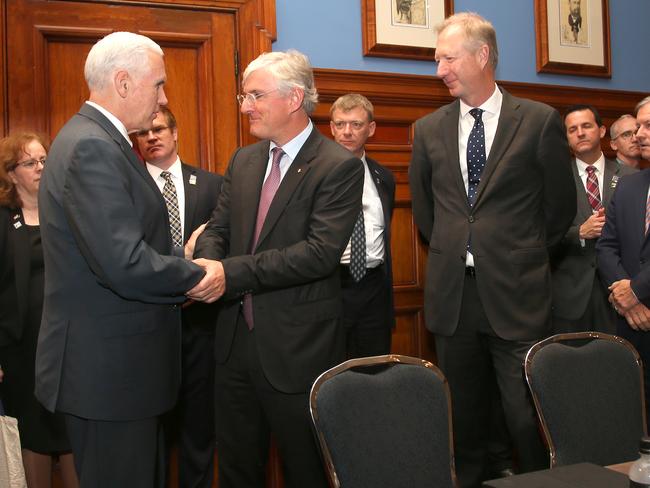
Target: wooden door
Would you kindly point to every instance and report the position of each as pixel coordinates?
(47, 43)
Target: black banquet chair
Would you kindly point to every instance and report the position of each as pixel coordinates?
(384, 421)
(588, 391)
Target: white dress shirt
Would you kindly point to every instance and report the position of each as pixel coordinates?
(491, 111)
(114, 120)
(176, 171)
(373, 222)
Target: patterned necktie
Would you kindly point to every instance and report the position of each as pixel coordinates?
(475, 155)
(358, 250)
(593, 193)
(269, 188)
(169, 194)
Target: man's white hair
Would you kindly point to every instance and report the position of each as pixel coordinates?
(118, 51)
(290, 69)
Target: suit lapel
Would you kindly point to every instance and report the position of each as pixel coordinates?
(249, 196)
(92, 113)
(640, 200)
(584, 207)
(450, 138)
(21, 249)
(509, 122)
(612, 169)
(191, 196)
(299, 167)
(379, 180)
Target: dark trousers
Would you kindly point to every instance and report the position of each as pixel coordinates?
(117, 454)
(367, 316)
(599, 314)
(191, 424)
(473, 359)
(248, 410)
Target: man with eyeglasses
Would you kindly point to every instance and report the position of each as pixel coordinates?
(579, 297)
(622, 135)
(368, 312)
(285, 214)
(191, 423)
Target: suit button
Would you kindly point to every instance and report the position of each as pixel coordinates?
(471, 219)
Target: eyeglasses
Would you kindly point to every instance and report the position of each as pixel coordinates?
(626, 135)
(252, 98)
(30, 163)
(355, 124)
(156, 131)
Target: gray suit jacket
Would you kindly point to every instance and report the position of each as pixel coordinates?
(574, 270)
(525, 203)
(293, 274)
(109, 345)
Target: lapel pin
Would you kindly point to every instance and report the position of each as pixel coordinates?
(614, 181)
(299, 170)
(17, 225)
(192, 179)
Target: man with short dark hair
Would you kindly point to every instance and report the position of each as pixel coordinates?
(579, 297)
(196, 192)
(622, 135)
(492, 194)
(368, 312)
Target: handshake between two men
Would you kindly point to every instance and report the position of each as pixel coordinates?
(213, 284)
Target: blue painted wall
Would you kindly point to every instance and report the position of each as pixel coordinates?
(329, 32)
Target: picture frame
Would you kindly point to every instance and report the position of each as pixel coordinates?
(572, 44)
(402, 28)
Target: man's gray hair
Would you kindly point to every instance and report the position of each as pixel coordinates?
(118, 51)
(477, 30)
(613, 132)
(643, 102)
(290, 69)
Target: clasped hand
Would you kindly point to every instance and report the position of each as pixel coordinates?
(213, 285)
(626, 303)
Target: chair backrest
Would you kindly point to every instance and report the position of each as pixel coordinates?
(384, 421)
(588, 391)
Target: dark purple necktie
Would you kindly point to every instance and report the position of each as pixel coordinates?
(269, 188)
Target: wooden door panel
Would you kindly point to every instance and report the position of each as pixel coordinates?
(48, 50)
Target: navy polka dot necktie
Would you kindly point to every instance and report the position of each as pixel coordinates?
(475, 155)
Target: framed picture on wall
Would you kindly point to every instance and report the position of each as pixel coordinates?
(573, 37)
(402, 28)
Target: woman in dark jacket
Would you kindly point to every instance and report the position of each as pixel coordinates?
(42, 434)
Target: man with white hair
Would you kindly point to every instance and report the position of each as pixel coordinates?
(284, 216)
(622, 135)
(109, 347)
(624, 253)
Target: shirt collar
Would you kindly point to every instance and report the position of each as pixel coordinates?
(114, 120)
(175, 169)
(492, 105)
(599, 164)
(292, 148)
